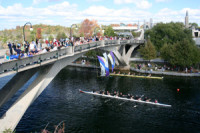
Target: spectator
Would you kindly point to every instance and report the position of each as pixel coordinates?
(7, 56)
(14, 46)
(10, 48)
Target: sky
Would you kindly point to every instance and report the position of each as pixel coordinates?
(68, 12)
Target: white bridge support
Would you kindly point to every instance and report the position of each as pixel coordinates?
(124, 58)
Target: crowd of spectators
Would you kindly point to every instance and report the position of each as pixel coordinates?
(28, 49)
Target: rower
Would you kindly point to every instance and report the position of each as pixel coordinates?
(132, 97)
(100, 92)
(136, 97)
(156, 101)
(114, 72)
(129, 73)
(148, 100)
(119, 72)
(149, 75)
(120, 94)
(115, 93)
(145, 98)
(128, 96)
(107, 93)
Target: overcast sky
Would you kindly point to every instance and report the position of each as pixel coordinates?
(68, 12)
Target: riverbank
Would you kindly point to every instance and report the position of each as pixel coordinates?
(145, 72)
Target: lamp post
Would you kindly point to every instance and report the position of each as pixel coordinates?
(71, 29)
(31, 29)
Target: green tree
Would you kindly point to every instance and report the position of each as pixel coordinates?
(148, 51)
(167, 33)
(33, 35)
(51, 38)
(183, 53)
(109, 31)
(166, 52)
(61, 35)
(194, 24)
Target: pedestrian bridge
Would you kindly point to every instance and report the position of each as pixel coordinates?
(26, 63)
(48, 65)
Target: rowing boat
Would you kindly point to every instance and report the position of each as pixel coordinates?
(136, 76)
(126, 99)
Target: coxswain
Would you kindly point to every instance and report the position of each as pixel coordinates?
(119, 72)
(149, 75)
(129, 73)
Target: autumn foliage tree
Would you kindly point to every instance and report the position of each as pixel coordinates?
(87, 27)
(38, 34)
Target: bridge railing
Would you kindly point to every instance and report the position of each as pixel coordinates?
(36, 59)
(86, 46)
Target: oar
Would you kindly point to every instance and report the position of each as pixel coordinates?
(107, 101)
(122, 103)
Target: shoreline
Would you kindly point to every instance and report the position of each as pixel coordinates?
(145, 72)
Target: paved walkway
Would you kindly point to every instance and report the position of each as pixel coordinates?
(166, 73)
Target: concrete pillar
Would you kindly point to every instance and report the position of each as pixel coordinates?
(14, 85)
(102, 43)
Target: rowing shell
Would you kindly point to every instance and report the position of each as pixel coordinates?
(136, 76)
(121, 98)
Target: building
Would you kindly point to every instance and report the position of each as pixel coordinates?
(124, 27)
(186, 20)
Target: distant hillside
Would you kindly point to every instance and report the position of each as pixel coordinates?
(16, 35)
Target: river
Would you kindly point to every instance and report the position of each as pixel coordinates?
(61, 101)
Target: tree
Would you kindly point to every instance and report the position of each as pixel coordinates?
(109, 32)
(194, 24)
(38, 34)
(148, 51)
(183, 53)
(167, 33)
(167, 52)
(87, 27)
(51, 38)
(61, 35)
